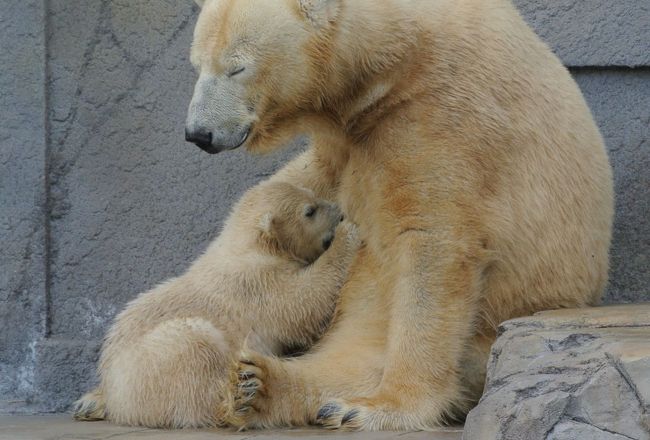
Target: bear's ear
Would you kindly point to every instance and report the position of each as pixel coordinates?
(199, 2)
(266, 223)
(319, 12)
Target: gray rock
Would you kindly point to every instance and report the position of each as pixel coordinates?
(572, 430)
(568, 374)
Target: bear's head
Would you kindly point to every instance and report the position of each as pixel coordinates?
(291, 222)
(264, 62)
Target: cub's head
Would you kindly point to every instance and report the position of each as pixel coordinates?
(291, 221)
(257, 63)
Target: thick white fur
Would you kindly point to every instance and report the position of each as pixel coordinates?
(165, 361)
(465, 152)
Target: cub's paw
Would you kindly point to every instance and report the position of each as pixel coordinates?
(90, 407)
(350, 232)
(347, 238)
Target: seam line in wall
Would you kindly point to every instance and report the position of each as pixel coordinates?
(47, 208)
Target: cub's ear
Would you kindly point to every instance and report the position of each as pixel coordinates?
(199, 2)
(266, 223)
(320, 12)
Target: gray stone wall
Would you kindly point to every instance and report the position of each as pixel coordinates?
(23, 200)
(100, 197)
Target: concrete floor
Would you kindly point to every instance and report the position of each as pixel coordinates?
(62, 427)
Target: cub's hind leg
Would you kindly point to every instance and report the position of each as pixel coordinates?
(174, 377)
(348, 362)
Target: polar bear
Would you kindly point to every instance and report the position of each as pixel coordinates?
(468, 158)
(166, 359)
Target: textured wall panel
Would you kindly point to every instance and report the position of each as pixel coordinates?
(620, 101)
(22, 197)
(593, 32)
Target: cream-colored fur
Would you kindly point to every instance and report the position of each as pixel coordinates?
(166, 359)
(465, 152)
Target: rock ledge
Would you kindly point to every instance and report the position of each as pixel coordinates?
(568, 375)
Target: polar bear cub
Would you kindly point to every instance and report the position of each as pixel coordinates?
(276, 269)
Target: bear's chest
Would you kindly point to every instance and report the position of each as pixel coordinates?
(385, 196)
(361, 196)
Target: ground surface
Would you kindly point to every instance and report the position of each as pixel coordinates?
(62, 427)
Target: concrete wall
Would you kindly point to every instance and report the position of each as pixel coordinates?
(100, 197)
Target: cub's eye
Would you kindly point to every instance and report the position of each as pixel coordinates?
(310, 211)
(236, 71)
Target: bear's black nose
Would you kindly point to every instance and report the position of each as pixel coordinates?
(327, 243)
(202, 138)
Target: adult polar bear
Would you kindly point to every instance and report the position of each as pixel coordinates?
(463, 150)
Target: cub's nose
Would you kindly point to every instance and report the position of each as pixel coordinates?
(202, 138)
(327, 242)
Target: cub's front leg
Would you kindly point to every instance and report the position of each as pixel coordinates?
(305, 300)
(347, 362)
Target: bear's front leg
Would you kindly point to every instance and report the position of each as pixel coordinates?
(435, 292)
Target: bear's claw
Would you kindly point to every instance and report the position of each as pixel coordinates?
(327, 411)
(338, 415)
(349, 416)
(89, 408)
